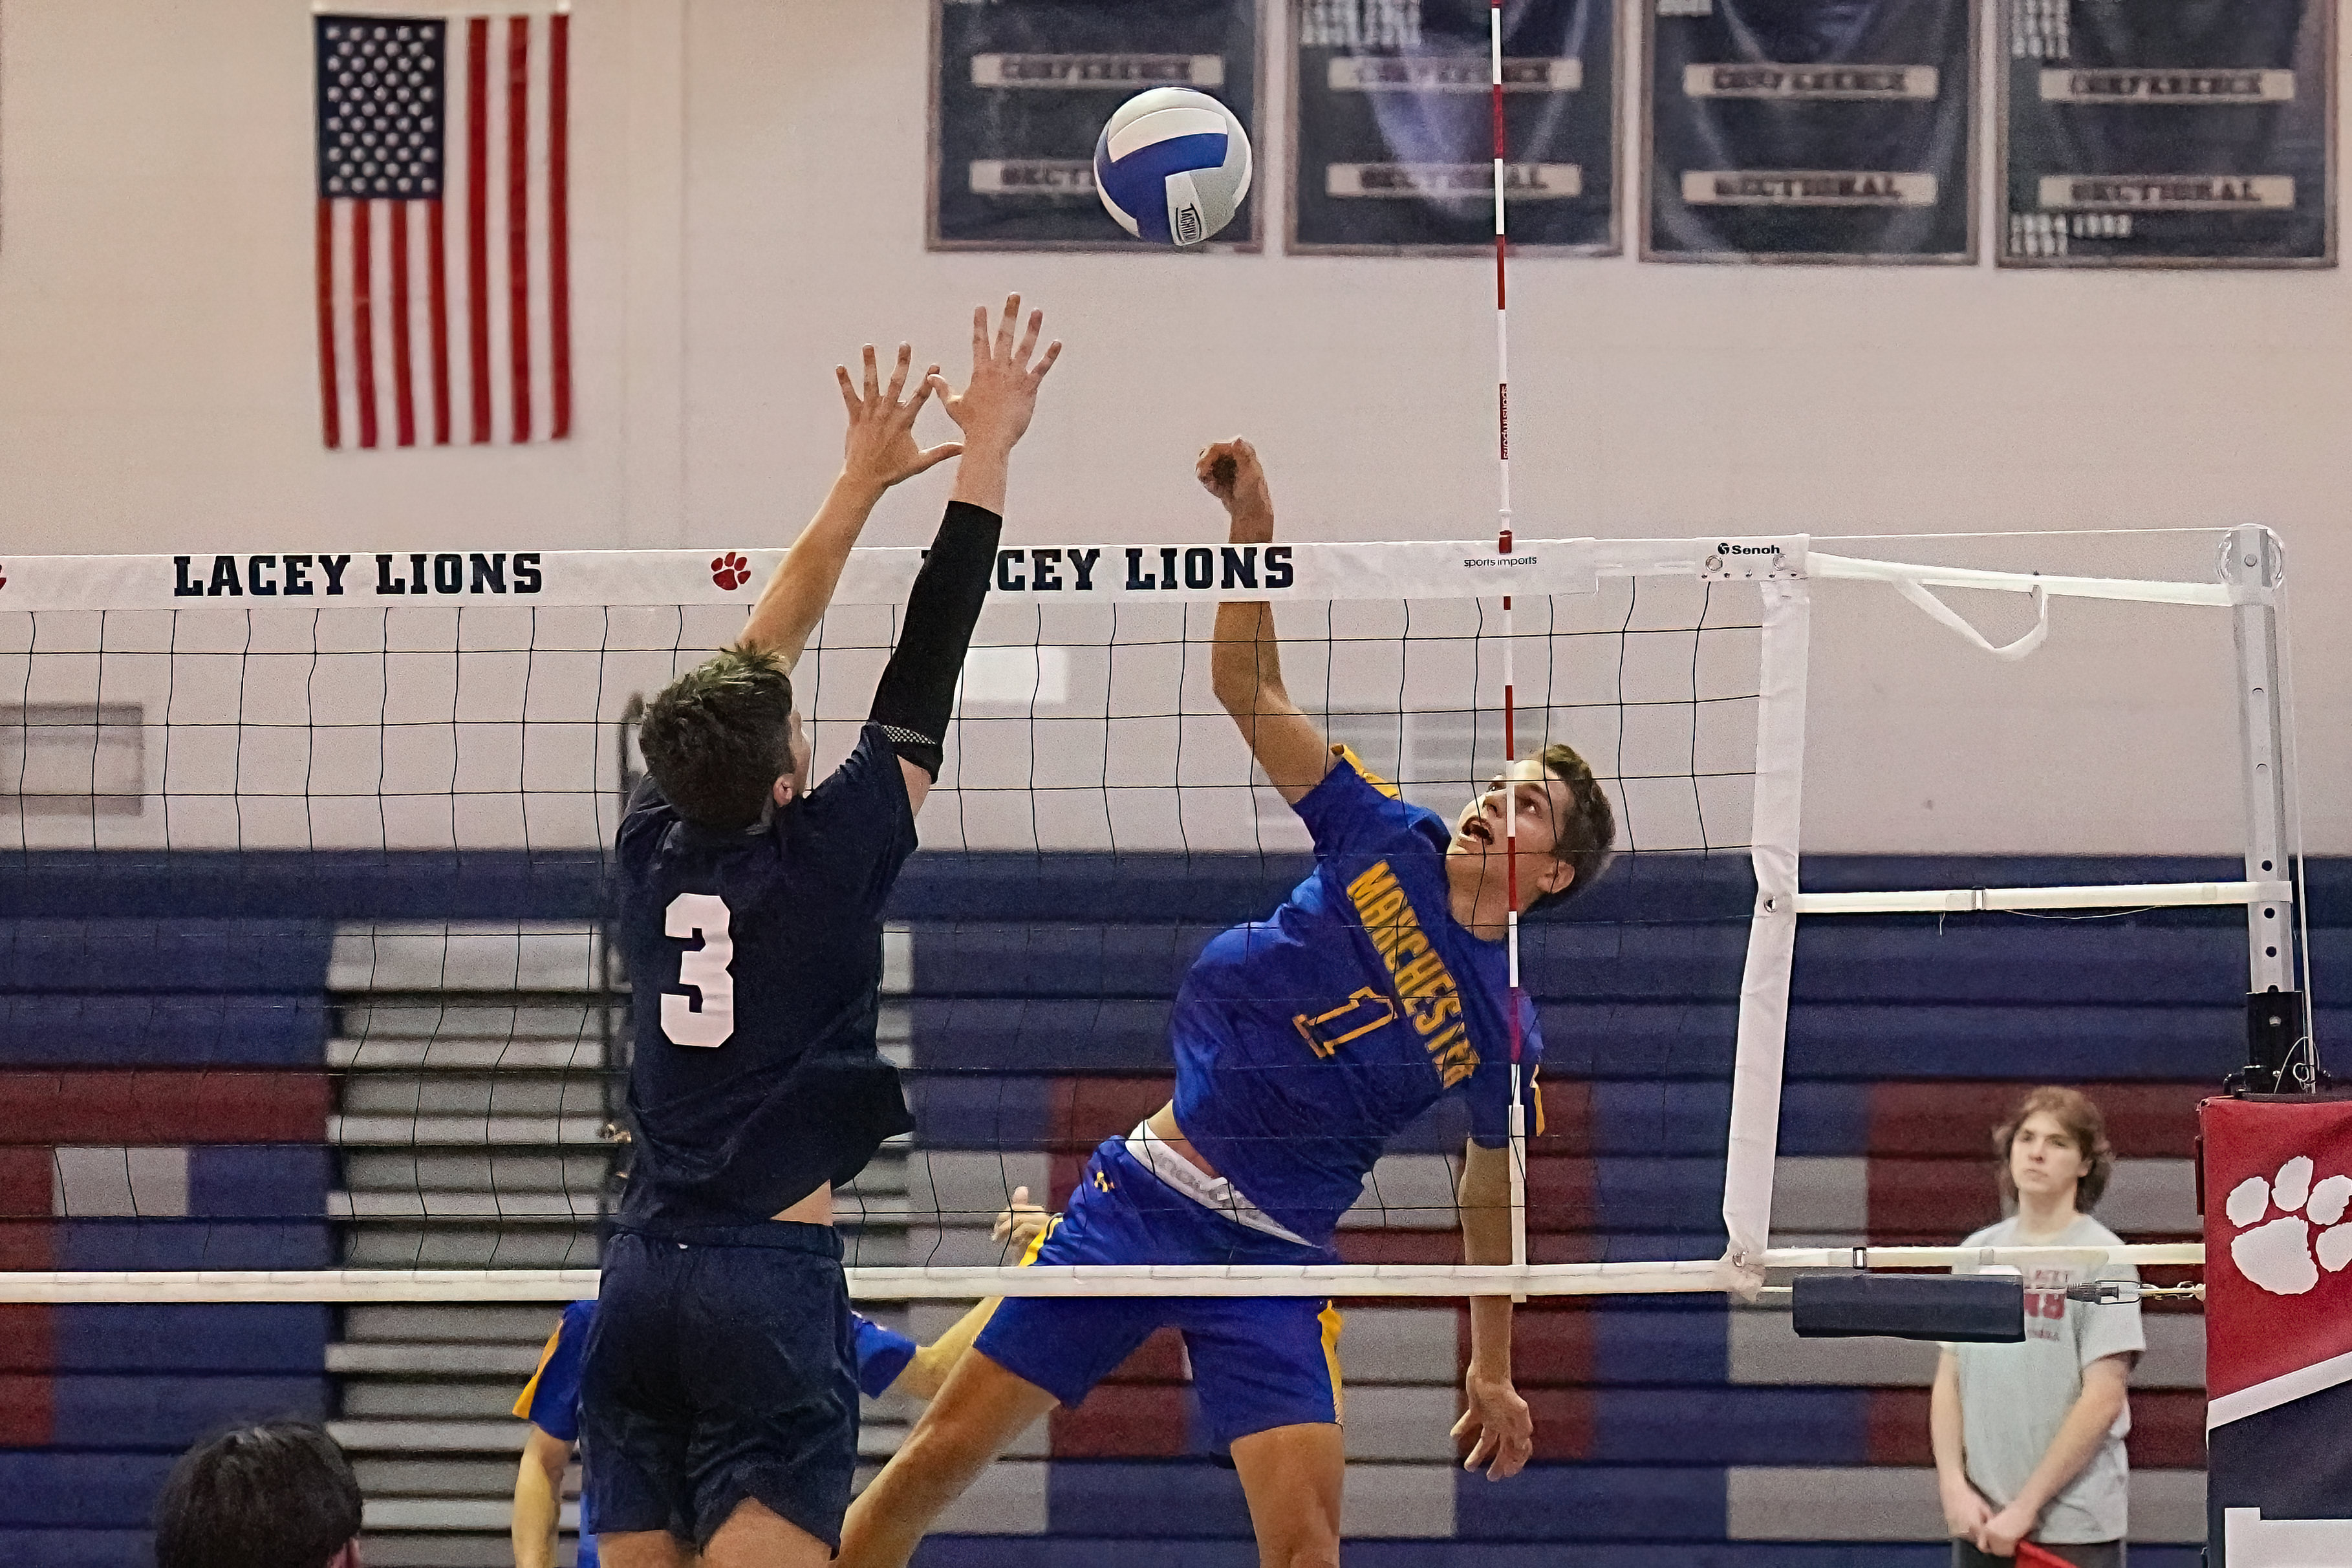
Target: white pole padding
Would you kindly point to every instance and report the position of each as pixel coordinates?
(377, 1285)
(1763, 1030)
(2172, 1254)
(2112, 895)
(2136, 589)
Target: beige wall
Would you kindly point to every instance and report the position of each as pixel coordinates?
(749, 208)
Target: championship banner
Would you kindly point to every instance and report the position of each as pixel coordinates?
(1813, 131)
(2168, 133)
(2277, 1182)
(1393, 132)
(1020, 90)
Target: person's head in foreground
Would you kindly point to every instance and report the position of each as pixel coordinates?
(2053, 1155)
(275, 1496)
(1566, 829)
(723, 740)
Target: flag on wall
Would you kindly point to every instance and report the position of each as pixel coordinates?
(444, 267)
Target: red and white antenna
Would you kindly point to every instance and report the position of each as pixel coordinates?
(1519, 1128)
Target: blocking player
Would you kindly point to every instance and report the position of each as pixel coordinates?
(887, 1363)
(719, 1400)
(1302, 1042)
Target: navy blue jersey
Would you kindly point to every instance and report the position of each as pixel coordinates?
(755, 956)
(1304, 1042)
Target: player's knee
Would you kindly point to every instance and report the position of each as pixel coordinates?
(1314, 1547)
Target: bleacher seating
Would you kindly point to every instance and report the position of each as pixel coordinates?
(166, 1077)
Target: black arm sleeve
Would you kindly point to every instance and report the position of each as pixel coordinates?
(917, 692)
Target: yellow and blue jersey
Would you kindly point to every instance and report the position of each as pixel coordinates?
(550, 1400)
(1304, 1042)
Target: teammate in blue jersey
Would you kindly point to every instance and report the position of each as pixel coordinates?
(718, 1400)
(1302, 1043)
(887, 1363)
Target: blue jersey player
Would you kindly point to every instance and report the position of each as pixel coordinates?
(1302, 1042)
(719, 1404)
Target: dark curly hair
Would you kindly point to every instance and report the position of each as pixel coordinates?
(720, 736)
(2074, 1111)
(1587, 834)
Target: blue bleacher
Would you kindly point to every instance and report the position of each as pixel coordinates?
(64, 1489)
(259, 1181)
(147, 1030)
(193, 1243)
(177, 1338)
(1658, 1346)
(1602, 1501)
(165, 1413)
(90, 1548)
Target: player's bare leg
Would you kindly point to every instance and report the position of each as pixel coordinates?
(982, 1408)
(642, 1549)
(1293, 1476)
(756, 1536)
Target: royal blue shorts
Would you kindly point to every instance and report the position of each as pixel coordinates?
(721, 1367)
(1258, 1362)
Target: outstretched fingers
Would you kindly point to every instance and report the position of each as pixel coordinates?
(1005, 328)
(1053, 352)
(848, 391)
(931, 378)
(898, 371)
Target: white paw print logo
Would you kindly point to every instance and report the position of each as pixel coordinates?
(2281, 1254)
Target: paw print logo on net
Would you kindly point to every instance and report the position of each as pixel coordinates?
(729, 571)
(2306, 1230)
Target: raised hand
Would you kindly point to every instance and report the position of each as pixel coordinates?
(1230, 471)
(1501, 1423)
(879, 449)
(996, 405)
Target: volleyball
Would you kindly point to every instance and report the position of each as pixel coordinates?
(1173, 165)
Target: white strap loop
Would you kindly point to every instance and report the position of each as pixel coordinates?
(1952, 618)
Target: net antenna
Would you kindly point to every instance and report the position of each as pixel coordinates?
(1518, 1124)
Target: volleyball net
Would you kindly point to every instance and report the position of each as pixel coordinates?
(311, 863)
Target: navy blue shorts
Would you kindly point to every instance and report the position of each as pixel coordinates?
(721, 1367)
(1258, 1362)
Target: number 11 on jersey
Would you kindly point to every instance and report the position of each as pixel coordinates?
(703, 914)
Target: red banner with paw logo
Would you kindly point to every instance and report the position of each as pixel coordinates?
(2277, 1180)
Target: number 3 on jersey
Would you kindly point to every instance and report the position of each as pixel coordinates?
(703, 914)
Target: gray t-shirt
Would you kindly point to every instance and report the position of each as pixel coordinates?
(2014, 1397)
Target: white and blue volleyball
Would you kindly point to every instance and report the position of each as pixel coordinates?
(1173, 165)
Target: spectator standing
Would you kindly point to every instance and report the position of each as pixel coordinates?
(2029, 1437)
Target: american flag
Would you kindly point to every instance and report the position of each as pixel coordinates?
(445, 308)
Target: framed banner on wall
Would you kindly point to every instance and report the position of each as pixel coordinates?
(2168, 133)
(1020, 90)
(1392, 130)
(1813, 131)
